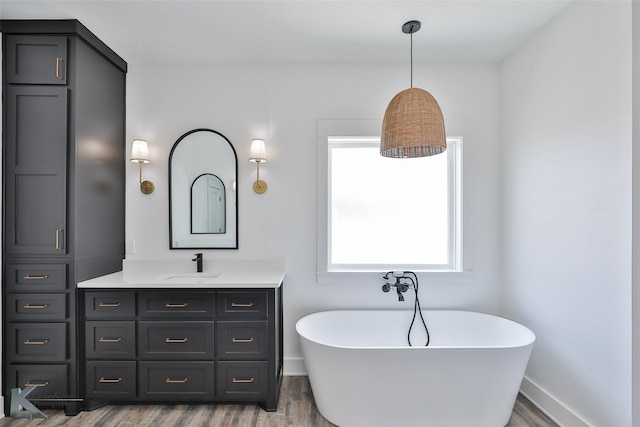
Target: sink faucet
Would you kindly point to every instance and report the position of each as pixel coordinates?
(198, 260)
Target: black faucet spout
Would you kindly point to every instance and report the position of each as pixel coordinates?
(198, 260)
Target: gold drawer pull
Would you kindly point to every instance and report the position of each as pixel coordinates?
(32, 277)
(170, 381)
(175, 340)
(35, 384)
(110, 304)
(170, 305)
(110, 339)
(110, 380)
(239, 304)
(40, 342)
(242, 380)
(242, 340)
(58, 62)
(40, 306)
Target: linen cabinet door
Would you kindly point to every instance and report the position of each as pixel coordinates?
(36, 59)
(35, 172)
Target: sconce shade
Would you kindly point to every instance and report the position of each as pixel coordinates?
(413, 126)
(257, 152)
(140, 151)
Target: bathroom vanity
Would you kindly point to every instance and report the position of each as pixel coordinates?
(160, 332)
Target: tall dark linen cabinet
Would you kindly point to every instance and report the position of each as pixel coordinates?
(63, 196)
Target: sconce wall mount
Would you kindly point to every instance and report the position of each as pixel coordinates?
(257, 154)
(140, 155)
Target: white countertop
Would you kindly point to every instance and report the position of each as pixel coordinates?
(175, 274)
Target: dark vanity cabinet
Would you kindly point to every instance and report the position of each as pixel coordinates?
(63, 196)
(196, 345)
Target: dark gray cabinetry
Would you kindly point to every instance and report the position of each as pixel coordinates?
(195, 345)
(63, 195)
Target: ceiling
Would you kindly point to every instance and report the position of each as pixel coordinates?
(189, 31)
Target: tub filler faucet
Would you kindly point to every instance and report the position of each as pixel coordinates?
(198, 260)
(401, 288)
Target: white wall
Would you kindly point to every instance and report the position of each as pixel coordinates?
(636, 215)
(566, 163)
(282, 104)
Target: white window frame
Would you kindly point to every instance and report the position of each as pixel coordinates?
(331, 131)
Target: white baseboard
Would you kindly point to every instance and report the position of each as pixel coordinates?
(548, 404)
(293, 367)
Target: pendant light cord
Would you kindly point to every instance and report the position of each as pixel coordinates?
(411, 54)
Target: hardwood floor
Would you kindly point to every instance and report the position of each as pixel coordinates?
(296, 409)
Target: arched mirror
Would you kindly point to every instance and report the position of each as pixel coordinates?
(203, 204)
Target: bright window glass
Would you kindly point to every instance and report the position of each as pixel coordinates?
(391, 213)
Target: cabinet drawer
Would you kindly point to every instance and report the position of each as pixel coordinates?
(111, 380)
(51, 380)
(37, 342)
(242, 380)
(168, 305)
(36, 277)
(36, 307)
(176, 381)
(241, 340)
(36, 59)
(242, 304)
(175, 340)
(107, 305)
(110, 340)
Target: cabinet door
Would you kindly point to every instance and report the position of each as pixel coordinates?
(36, 59)
(35, 170)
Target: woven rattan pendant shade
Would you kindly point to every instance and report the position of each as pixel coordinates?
(413, 126)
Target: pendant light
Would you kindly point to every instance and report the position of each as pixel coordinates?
(413, 125)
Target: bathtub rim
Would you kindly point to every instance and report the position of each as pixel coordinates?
(528, 341)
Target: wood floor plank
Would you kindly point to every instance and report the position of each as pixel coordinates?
(295, 409)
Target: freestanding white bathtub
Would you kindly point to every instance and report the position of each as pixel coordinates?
(364, 374)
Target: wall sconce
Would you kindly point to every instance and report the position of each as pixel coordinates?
(257, 155)
(140, 154)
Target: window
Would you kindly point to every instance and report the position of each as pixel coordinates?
(385, 214)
